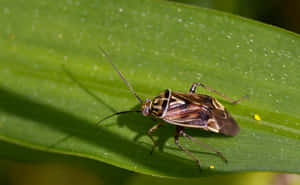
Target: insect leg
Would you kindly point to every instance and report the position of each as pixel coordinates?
(150, 132)
(178, 130)
(181, 132)
(194, 86)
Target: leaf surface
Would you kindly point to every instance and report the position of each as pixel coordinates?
(55, 84)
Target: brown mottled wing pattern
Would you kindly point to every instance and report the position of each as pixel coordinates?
(200, 111)
(228, 126)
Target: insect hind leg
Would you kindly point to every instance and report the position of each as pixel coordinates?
(194, 86)
(178, 130)
(181, 132)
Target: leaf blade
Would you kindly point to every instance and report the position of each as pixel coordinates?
(55, 85)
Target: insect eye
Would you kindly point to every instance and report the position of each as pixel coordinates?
(145, 111)
(146, 107)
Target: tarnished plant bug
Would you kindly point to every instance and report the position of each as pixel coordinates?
(185, 110)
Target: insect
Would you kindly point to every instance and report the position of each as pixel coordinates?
(185, 110)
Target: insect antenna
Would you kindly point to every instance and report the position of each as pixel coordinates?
(129, 86)
(114, 114)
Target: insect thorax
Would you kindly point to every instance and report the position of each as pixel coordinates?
(159, 104)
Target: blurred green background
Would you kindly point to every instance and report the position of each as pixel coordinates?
(280, 13)
(56, 169)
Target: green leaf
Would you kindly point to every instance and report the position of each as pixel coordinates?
(55, 85)
(14, 160)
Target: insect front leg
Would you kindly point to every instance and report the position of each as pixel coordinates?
(194, 86)
(150, 132)
(177, 133)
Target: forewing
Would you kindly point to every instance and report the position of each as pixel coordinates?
(192, 98)
(200, 111)
(183, 112)
(227, 125)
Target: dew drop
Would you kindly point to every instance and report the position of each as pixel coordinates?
(6, 11)
(82, 19)
(60, 35)
(96, 67)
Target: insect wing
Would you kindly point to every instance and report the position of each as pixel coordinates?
(228, 126)
(200, 111)
(183, 112)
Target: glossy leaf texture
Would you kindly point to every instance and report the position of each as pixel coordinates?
(55, 84)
